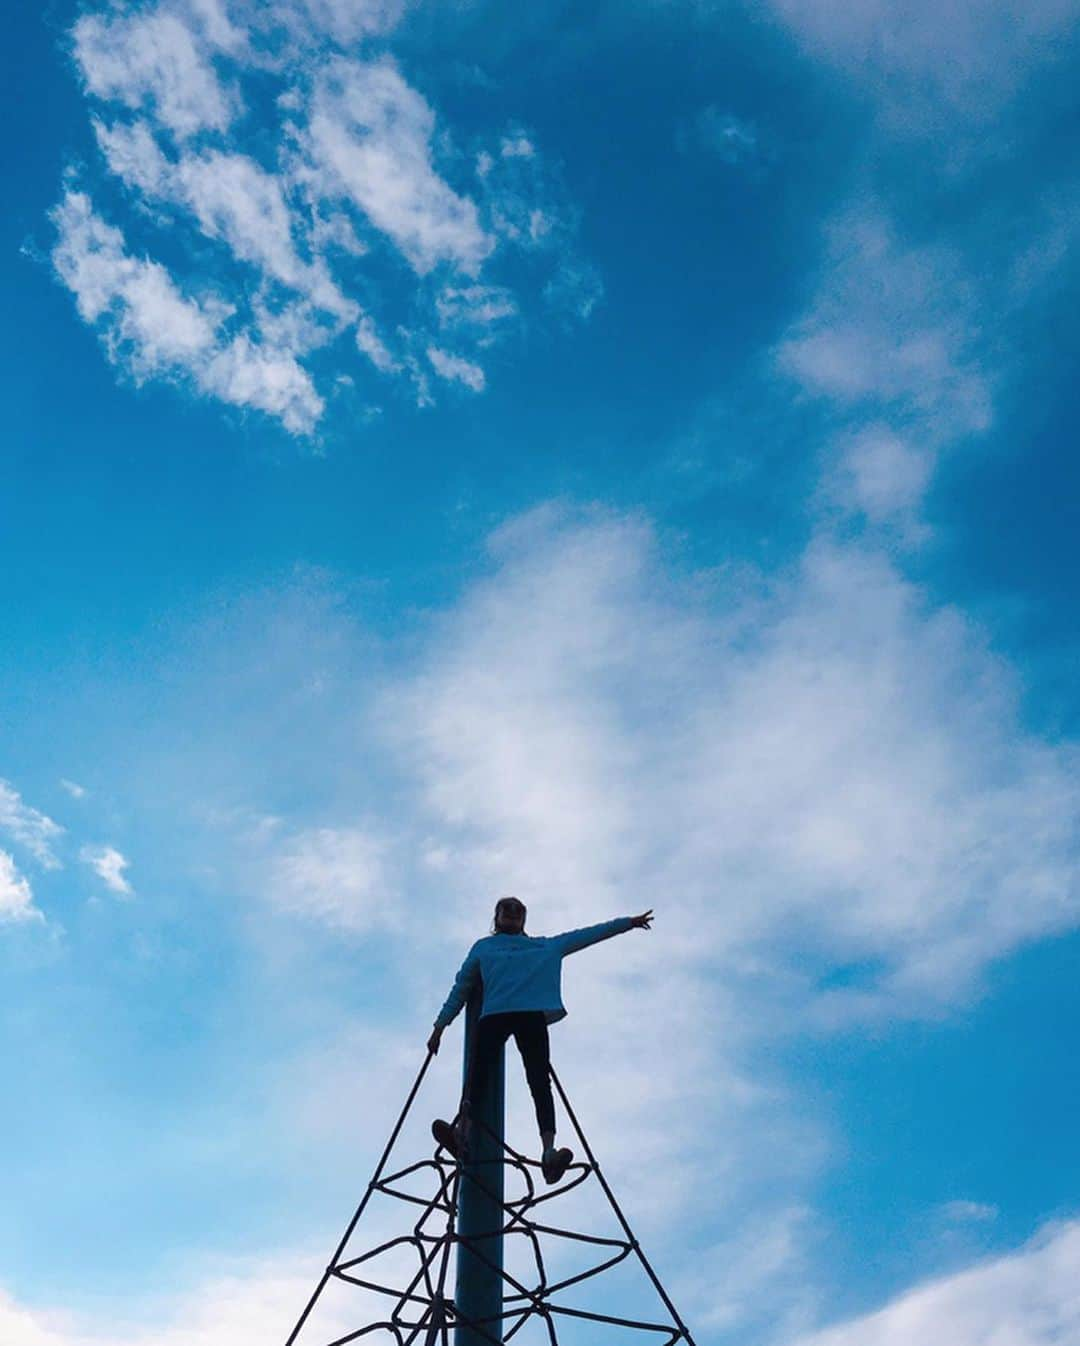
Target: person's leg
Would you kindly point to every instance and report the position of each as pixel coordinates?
(490, 1037)
(531, 1037)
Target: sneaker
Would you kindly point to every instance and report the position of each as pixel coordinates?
(449, 1137)
(554, 1164)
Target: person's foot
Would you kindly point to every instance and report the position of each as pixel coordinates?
(450, 1136)
(554, 1163)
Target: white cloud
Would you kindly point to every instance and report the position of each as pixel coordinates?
(345, 21)
(74, 789)
(1028, 1298)
(893, 349)
(336, 875)
(1051, 242)
(150, 328)
(333, 229)
(834, 772)
(892, 327)
(233, 199)
(455, 369)
(249, 374)
(882, 475)
(244, 1305)
(517, 146)
(760, 1273)
(152, 60)
(368, 139)
(144, 311)
(474, 305)
(968, 1212)
(210, 19)
(352, 156)
(109, 865)
(133, 154)
(373, 346)
(28, 827)
(932, 66)
(16, 895)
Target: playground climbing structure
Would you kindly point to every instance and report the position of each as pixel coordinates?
(445, 1278)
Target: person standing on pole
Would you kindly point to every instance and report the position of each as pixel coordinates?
(518, 977)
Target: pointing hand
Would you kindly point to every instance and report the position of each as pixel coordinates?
(644, 921)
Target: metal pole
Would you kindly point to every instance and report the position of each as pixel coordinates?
(480, 1216)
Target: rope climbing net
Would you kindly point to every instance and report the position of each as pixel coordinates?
(419, 1311)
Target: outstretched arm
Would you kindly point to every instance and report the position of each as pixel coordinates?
(574, 940)
(468, 976)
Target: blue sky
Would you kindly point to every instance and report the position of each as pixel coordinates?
(624, 459)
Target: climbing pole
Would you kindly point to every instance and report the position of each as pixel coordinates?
(463, 1215)
(481, 1199)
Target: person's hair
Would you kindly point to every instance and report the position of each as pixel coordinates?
(504, 902)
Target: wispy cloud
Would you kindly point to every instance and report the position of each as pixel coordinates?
(892, 348)
(455, 369)
(758, 1275)
(109, 865)
(936, 71)
(475, 305)
(154, 60)
(883, 475)
(346, 191)
(16, 895)
(730, 139)
(892, 327)
(245, 1304)
(368, 141)
(968, 1212)
(336, 875)
(786, 764)
(1027, 1298)
(28, 827)
(152, 329)
(234, 200)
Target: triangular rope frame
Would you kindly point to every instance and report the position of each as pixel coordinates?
(423, 1314)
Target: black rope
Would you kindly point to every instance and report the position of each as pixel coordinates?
(618, 1211)
(422, 1307)
(365, 1199)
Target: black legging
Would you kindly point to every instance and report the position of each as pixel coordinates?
(529, 1030)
